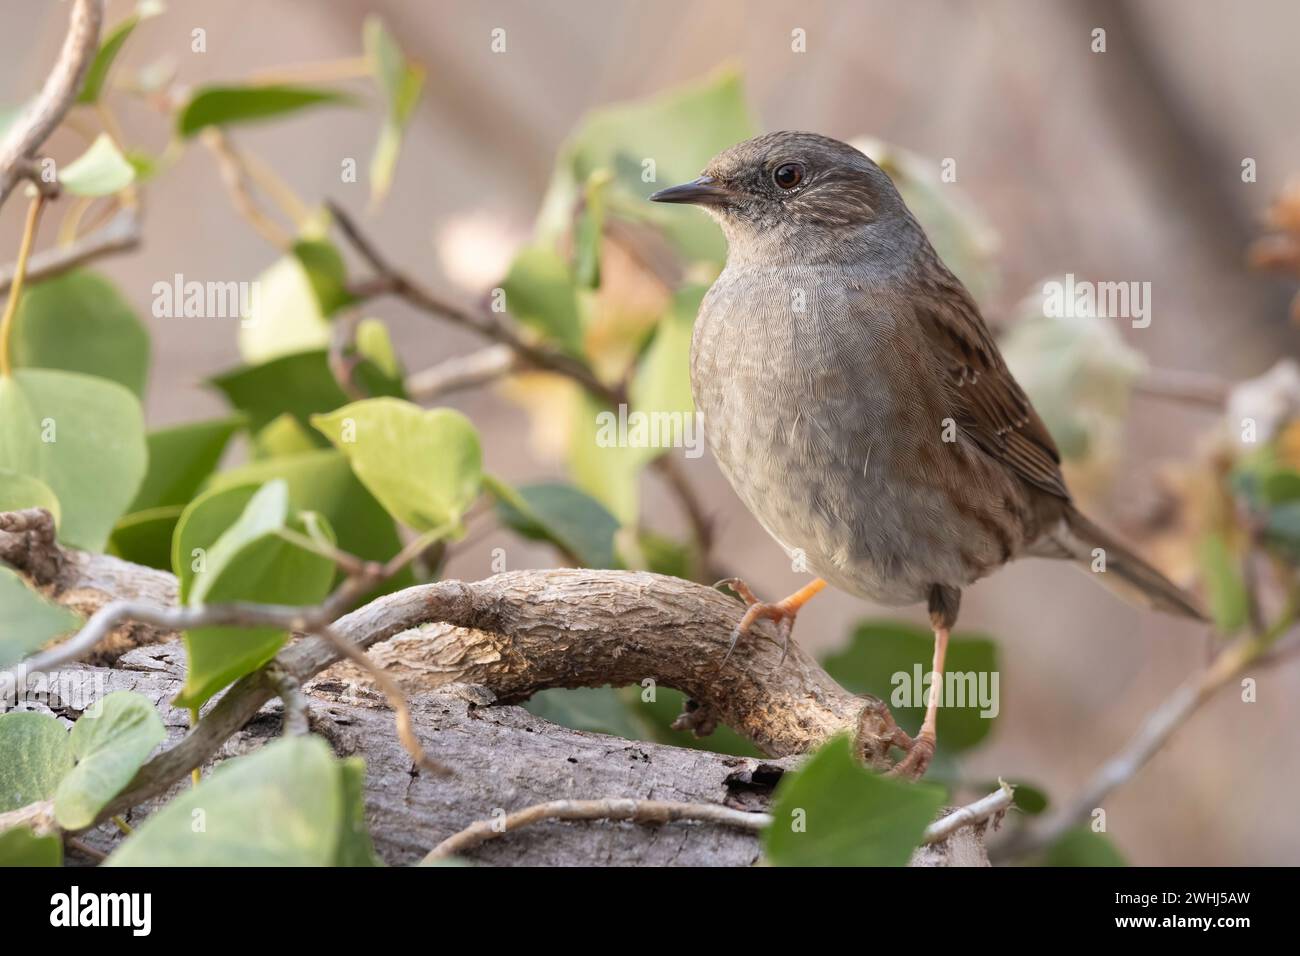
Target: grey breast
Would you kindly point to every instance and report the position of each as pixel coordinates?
(814, 397)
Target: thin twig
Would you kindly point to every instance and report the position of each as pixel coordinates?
(235, 175)
(1188, 388)
(389, 280)
(27, 133)
(999, 801)
(461, 372)
(121, 234)
(1155, 731)
(289, 689)
(20, 272)
(651, 812)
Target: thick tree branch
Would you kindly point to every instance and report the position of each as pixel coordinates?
(46, 111)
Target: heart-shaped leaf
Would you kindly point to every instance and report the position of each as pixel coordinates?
(79, 322)
(424, 467)
(835, 812)
(250, 561)
(109, 744)
(100, 171)
(19, 846)
(35, 754)
(23, 491)
(283, 805)
(81, 436)
(180, 459)
(28, 620)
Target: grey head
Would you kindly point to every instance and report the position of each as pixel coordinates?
(800, 197)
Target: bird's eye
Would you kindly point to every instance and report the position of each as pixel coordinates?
(788, 175)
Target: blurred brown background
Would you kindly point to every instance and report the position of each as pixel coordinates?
(1123, 165)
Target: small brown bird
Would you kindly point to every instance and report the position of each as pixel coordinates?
(859, 406)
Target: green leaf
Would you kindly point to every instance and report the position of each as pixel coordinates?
(110, 743)
(267, 511)
(590, 230)
(355, 846)
(286, 316)
(322, 481)
(1225, 588)
(606, 469)
(300, 384)
(891, 661)
(1082, 847)
(35, 754)
(81, 436)
(400, 81)
(250, 561)
(201, 524)
(79, 322)
(666, 707)
(284, 436)
(424, 467)
(180, 459)
(224, 105)
(283, 805)
(23, 491)
(145, 537)
(570, 519)
(326, 273)
(662, 385)
(598, 710)
(100, 171)
(375, 344)
(680, 131)
(93, 85)
(19, 846)
(834, 812)
(540, 293)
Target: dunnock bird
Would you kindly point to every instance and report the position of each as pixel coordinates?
(858, 404)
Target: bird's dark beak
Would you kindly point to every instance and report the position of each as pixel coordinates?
(701, 192)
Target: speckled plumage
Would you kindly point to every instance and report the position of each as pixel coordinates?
(831, 359)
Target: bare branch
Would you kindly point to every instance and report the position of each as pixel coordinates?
(44, 113)
(119, 234)
(997, 802)
(462, 371)
(389, 280)
(651, 812)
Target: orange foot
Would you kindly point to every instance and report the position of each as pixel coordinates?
(782, 612)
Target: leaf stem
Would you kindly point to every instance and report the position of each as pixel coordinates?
(20, 272)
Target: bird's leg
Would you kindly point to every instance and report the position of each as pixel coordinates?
(943, 615)
(783, 612)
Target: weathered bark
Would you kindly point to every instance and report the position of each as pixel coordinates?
(463, 651)
(505, 759)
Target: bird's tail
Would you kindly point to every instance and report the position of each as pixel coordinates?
(1125, 572)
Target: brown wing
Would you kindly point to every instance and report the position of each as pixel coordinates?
(991, 406)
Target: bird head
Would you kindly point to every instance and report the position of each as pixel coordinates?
(793, 193)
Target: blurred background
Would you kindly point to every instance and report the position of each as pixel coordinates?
(1122, 165)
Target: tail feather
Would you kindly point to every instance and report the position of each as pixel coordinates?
(1125, 572)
